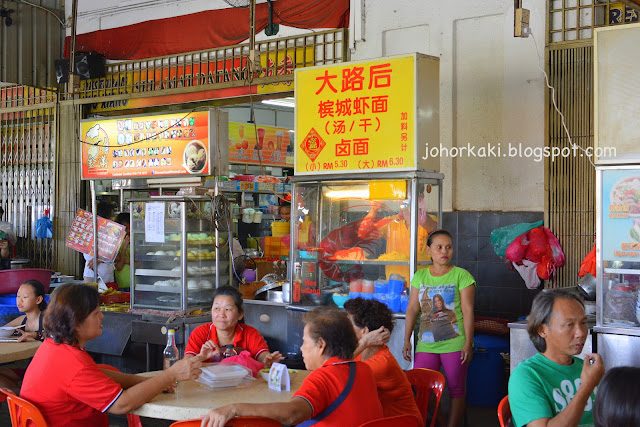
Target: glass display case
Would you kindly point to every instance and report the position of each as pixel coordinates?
(178, 255)
(618, 264)
(361, 235)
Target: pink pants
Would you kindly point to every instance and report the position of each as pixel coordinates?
(454, 371)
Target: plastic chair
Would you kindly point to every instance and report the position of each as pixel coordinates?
(424, 382)
(504, 412)
(234, 422)
(132, 419)
(400, 420)
(23, 412)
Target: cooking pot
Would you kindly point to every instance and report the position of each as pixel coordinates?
(587, 287)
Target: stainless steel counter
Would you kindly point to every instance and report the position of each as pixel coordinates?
(521, 347)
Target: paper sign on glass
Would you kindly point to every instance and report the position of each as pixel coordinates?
(279, 377)
(154, 223)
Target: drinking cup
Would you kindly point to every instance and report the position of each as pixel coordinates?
(367, 286)
(396, 286)
(381, 287)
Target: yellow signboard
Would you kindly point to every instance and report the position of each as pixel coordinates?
(356, 117)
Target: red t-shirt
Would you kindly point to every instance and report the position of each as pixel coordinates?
(246, 337)
(324, 385)
(67, 386)
(394, 389)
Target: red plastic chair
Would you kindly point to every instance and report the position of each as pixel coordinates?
(23, 412)
(132, 419)
(400, 420)
(504, 412)
(424, 382)
(234, 422)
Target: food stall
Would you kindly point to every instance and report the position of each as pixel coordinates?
(174, 239)
(364, 193)
(617, 197)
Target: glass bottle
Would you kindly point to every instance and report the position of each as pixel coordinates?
(297, 283)
(170, 356)
(229, 351)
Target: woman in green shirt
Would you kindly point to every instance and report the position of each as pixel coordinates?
(121, 264)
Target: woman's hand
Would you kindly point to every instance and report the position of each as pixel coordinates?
(188, 368)
(209, 349)
(378, 337)
(218, 417)
(466, 354)
(272, 358)
(407, 351)
(27, 336)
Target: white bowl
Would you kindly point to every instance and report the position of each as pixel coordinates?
(7, 331)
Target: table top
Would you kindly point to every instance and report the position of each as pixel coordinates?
(193, 400)
(12, 351)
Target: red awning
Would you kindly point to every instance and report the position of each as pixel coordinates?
(207, 30)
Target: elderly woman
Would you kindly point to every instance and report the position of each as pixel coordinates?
(338, 391)
(394, 390)
(226, 311)
(65, 383)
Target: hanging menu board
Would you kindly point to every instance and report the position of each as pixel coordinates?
(147, 146)
(110, 236)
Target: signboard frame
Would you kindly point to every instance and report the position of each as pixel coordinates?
(423, 113)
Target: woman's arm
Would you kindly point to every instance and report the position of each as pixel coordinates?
(467, 298)
(142, 392)
(293, 412)
(121, 258)
(125, 380)
(269, 359)
(410, 322)
(17, 321)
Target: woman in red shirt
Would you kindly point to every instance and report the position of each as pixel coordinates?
(393, 386)
(339, 392)
(66, 384)
(226, 311)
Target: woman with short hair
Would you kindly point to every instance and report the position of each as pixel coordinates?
(339, 391)
(65, 383)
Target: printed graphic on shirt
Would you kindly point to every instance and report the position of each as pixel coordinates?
(438, 321)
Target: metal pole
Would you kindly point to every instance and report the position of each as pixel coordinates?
(94, 209)
(72, 50)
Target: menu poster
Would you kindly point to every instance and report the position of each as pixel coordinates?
(154, 223)
(110, 236)
(260, 144)
(146, 146)
(621, 215)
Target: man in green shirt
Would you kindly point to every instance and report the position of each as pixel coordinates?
(555, 388)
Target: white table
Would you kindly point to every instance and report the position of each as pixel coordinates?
(193, 400)
(12, 351)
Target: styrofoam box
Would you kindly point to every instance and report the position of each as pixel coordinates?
(222, 376)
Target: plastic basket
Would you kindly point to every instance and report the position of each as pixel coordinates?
(491, 326)
(115, 298)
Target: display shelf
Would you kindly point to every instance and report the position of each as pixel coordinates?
(153, 272)
(621, 271)
(365, 262)
(169, 289)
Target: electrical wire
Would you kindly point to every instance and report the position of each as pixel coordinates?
(555, 105)
(46, 10)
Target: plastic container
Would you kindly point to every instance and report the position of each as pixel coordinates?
(280, 228)
(368, 287)
(367, 295)
(393, 302)
(396, 286)
(380, 297)
(404, 302)
(223, 376)
(486, 384)
(10, 280)
(381, 287)
(257, 217)
(354, 295)
(355, 286)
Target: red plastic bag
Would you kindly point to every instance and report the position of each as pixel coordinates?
(538, 246)
(545, 268)
(556, 250)
(516, 249)
(589, 263)
(244, 359)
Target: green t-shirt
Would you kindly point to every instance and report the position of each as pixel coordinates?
(123, 277)
(441, 325)
(541, 388)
